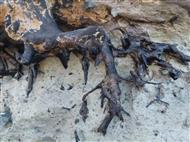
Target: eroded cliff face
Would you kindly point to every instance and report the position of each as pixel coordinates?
(161, 19)
(80, 13)
(43, 117)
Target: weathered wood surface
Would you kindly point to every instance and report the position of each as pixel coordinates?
(162, 21)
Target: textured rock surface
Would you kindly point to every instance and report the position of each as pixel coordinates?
(42, 117)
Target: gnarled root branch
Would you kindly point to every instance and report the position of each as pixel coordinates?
(32, 74)
(109, 89)
(145, 53)
(5, 59)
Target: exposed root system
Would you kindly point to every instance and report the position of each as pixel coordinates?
(42, 38)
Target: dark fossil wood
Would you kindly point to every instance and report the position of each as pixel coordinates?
(42, 38)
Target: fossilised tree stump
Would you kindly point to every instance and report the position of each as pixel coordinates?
(36, 35)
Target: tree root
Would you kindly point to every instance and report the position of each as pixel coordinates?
(99, 49)
(5, 59)
(145, 53)
(43, 38)
(157, 99)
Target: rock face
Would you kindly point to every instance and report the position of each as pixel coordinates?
(45, 116)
